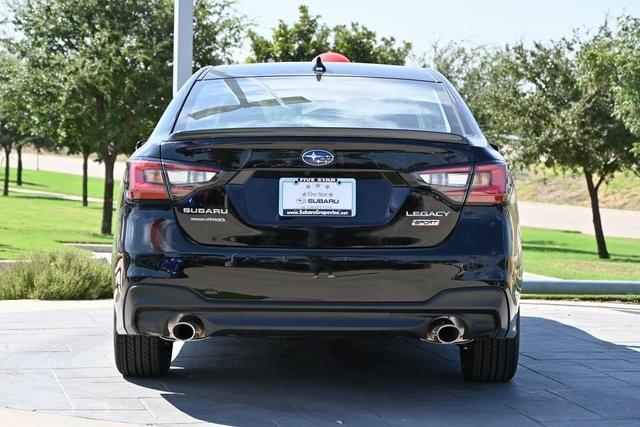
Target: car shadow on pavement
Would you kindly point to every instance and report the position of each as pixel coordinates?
(565, 374)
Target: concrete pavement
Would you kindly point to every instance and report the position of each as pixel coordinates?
(16, 418)
(580, 365)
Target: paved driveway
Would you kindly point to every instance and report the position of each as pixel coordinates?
(580, 365)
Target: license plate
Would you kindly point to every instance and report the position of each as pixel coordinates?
(331, 197)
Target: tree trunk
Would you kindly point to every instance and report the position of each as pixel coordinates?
(595, 210)
(19, 173)
(85, 179)
(107, 205)
(5, 187)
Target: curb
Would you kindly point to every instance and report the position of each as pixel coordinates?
(102, 248)
(4, 263)
(570, 287)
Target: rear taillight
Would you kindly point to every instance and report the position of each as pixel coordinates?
(450, 181)
(183, 179)
(146, 179)
(488, 186)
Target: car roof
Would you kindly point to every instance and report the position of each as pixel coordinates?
(333, 68)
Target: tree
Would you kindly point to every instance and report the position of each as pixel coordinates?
(468, 69)
(616, 59)
(6, 131)
(54, 121)
(19, 146)
(218, 31)
(308, 37)
(112, 65)
(361, 44)
(7, 138)
(72, 135)
(301, 41)
(622, 62)
(11, 114)
(36, 142)
(550, 116)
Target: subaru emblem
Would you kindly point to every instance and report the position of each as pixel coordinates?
(317, 157)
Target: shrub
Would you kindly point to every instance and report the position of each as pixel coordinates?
(62, 275)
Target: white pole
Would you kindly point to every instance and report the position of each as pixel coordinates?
(182, 42)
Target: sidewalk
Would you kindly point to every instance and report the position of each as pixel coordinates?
(54, 195)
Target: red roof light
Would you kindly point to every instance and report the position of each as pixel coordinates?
(330, 56)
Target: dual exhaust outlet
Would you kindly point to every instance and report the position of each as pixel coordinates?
(445, 330)
(188, 328)
(442, 330)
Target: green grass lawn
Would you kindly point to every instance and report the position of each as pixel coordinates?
(33, 223)
(573, 255)
(55, 182)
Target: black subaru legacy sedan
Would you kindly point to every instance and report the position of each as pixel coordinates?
(327, 198)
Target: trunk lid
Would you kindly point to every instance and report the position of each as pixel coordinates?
(389, 206)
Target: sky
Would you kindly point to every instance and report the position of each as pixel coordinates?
(422, 22)
(479, 22)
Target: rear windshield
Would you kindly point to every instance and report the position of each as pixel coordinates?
(303, 101)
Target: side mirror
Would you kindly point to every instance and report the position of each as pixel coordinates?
(140, 143)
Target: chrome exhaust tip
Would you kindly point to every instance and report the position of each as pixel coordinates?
(183, 331)
(187, 329)
(445, 330)
(448, 334)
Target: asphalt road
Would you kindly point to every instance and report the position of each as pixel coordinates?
(579, 365)
(561, 217)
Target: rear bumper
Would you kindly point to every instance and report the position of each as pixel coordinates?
(160, 275)
(485, 311)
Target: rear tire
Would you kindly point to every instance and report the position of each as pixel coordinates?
(491, 360)
(142, 356)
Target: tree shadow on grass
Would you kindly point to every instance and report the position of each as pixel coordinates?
(92, 205)
(541, 248)
(7, 248)
(33, 184)
(261, 381)
(615, 256)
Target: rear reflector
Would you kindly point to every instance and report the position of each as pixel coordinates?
(489, 184)
(145, 179)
